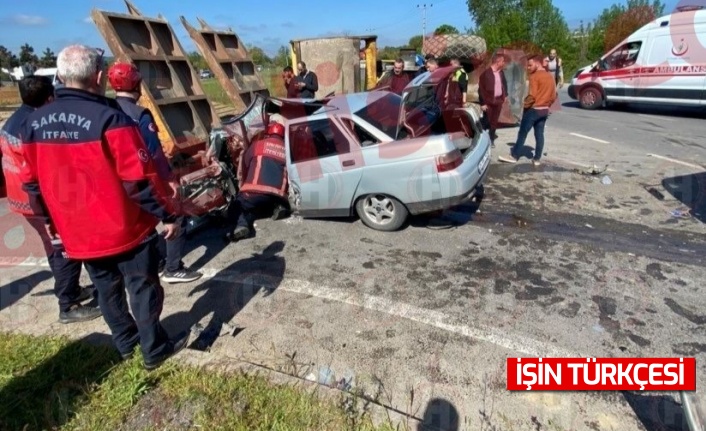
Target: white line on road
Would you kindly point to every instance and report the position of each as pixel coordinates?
(669, 159)
(590, 138)
(502, 338)
(657, 117)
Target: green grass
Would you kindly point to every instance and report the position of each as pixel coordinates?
(58, 384)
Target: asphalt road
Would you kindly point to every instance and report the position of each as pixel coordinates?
(555, 263)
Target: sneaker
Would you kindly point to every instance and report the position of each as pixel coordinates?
(86, 294)
(174, 346)
(507, 159)
(535, 163)
(79, 313)
(182, 275)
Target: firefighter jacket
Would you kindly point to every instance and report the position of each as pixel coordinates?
(13, 160)
(265, 168)
(89, 174)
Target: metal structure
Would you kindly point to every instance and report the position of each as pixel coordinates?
(336, 62)
(229, 60)
(170, 88)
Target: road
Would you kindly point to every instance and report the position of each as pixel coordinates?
(553, 263)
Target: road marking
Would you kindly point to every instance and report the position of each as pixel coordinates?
(656, 117)
(502, 338)
(669, 159)
(590, 138)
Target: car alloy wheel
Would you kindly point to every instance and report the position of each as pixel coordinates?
(381, 212)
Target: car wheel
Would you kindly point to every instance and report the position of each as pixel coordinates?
(381, 212)
(590, 98)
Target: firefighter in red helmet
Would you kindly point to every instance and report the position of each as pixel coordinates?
(264, 186)
(125, 79)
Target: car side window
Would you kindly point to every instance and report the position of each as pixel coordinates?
(624, 56)
(365, 139)
(316, 139)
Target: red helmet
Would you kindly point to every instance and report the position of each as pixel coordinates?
(275, 128)
(124, 77)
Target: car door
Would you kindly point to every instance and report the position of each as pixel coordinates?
(620, 71)
(324, 166)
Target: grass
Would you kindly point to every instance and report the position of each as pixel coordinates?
(215, 92)
(59, 384)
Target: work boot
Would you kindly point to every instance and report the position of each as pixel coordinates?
(280, 212)
(174, 346)
(79, 313)
(239, 233)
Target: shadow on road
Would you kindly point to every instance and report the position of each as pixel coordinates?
(49, 395)
(657, 412)
(227, 293)
(439, 415)
(690, 190)
(17, 289)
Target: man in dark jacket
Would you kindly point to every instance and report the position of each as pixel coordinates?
(125, 79)
(35, 92)
(395, 81)
(307, 81)
(492, 92)
(90, 177)
(264, 184)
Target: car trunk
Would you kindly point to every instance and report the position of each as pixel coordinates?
(431, 105)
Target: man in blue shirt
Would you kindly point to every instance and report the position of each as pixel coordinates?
(125, 79)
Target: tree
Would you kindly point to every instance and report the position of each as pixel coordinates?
(388, 53)
(534, 26)
(27, 55)
(618, 22)
(446, 29)
(197, 61)
(48, 58)
(281, 59)
(416, 43)
(258, 56)
(8, 60)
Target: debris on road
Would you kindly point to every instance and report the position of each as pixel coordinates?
(681, 213)
(593, 170)
(656, 193)
(606, 180)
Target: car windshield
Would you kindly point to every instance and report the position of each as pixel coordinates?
(383, 113)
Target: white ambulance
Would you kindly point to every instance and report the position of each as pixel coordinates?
(664, 62)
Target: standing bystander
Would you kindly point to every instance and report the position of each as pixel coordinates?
(125, 79)
(89, 175)
(542, 94)
(492, 92)
(35, 92)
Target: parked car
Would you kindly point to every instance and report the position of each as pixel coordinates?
(205, 74)
(376, 154)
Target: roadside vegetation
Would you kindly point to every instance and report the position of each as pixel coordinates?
(59, 384)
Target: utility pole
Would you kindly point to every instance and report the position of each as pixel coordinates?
(423, 7)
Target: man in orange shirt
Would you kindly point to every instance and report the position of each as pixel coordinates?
(542, 94)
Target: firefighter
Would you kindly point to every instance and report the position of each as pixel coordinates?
(125, 79)
(89, 175)
(35, 92)
(264, 184)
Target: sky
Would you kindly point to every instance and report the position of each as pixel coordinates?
(267, 24)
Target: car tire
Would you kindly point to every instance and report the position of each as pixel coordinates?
(590, 98)
(381, 212)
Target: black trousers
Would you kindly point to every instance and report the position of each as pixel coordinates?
(248, 206)
(67, 272)
(173, 251)
(136, 272)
